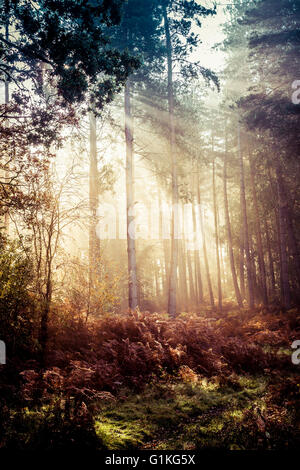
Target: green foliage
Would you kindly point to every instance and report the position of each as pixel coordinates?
(17, 315)
(48, 428)
(184, 19)
(274, 35)
(55, 55)
(72, 39)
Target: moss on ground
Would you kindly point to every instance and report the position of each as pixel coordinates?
(236, 412)
(181, 415)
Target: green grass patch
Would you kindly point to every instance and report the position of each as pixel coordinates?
(177, 415)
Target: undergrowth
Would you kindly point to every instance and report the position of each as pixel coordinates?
(146, 381)
(202, 415)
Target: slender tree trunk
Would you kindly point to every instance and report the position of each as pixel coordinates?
(197, 268)
(257, 290)
(272, 286)
(197, 272)
(94, 242)
(228, 229)
(156, 278)
(274, 191)
(245, 225)
(199, 279)
(261, 260)
(224, 277)
(182, 266)
(174, 230)
(282, 204)
(132, 269)
(165, 246)
(242, 260)
(191, 278)
(210, 291)
(191, 274)
(6, 82)
(46, 294)
(217, 239)
(279, 275)
(45, 319)
(183, 276)
(6, 100)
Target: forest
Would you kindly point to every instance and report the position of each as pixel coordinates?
(149, 225)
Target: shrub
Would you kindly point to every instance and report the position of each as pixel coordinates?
(17, 312)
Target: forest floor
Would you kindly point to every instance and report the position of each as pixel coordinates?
(181, 415)
(143, 381)
(186, 413)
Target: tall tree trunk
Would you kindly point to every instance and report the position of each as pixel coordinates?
(191, 275)
(210, 291)
(6, 100)
(274, 191)
(198, 264)
(183, 275)
(197, 270)
(198, 277)
(272, 286)
(156, 278)
(44, 331)
(46, 294)
(279, 270)
(261, 260)
(224, 276)
(132, 270)
(228, 229)
(217, 239)
(242, 260)
(165, 246)
(94, 241)
(174, 229)
(245, 224)
(192, 293)
(257, 290)
(182, 265)
(197, 267)
(282, 205)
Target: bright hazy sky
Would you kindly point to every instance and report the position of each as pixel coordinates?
(210, 34)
